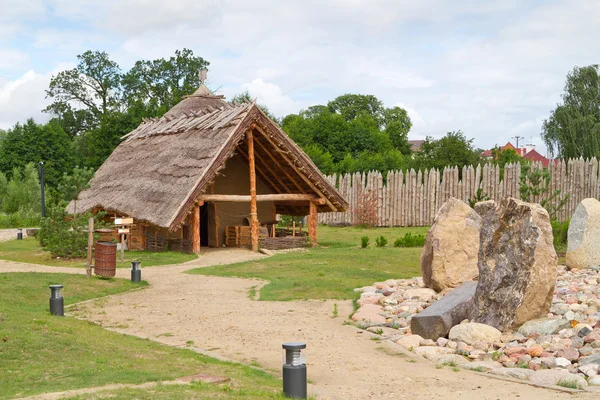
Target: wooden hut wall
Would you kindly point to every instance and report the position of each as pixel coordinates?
(235, 179)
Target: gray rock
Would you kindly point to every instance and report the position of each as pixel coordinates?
(544, 326)
(562, 362)
(584, 235)
(573, 381)
(481, 366)
(517, 265)
(594, 381)
(548, 377)
(593, 359)
(437, 320)
(451, 359)
(433, 353)
(519, 373)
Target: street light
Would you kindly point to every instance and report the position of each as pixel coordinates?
(136, 272)
(57, 302)
(294, 370)
(41, 169)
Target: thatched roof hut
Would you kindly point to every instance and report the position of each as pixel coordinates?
(207, 151)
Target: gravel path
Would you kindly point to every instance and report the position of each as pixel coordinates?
(217, 315)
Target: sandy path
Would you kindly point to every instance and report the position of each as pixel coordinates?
(217, 315)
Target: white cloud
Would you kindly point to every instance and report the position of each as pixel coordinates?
(271, 95)
(12, 60)
(493, 69)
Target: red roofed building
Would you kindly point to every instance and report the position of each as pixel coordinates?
(528, 152)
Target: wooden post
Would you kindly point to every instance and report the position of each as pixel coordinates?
(143, 236)
(196, 230)
(88, 265)
(293, 228)
(312, 224)
(253, 208)
(122, 247)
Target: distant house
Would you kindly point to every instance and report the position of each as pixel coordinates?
(528, 152)
(415, 145)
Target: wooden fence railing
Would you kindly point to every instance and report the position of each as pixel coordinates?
(412, 198)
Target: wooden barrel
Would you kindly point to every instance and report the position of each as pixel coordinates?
(105, 263)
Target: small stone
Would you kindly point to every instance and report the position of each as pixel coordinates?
(371, 314)
(410, 342)
(547, 362)
(589, 369)
(442, 342)
(570, 354)
(481, 366)
(544, 326)
(509, 351)
(451, 344)
(427, 342)
(562, 362)
(474, 332)
(524, 360)
(586, 350)
(582, 330)
(475, 354)
(421, 294)
(576, 342)
(593, 359)
(481, 346)
(535, 351)
(592, 337)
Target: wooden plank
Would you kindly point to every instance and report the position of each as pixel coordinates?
(234, 198)
(123, 221)
(123, 230)
(312, 224)
(253, 207)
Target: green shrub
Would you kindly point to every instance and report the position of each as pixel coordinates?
(364, 242)
(66, 236)
(560, 232)
(410, 240)
(380, 241)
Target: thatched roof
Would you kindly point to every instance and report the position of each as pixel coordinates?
(164, 165)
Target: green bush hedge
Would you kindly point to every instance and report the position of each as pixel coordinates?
(410, 240)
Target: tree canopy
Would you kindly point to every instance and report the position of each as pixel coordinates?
(454, 149)
(352, 133)
(573, 128)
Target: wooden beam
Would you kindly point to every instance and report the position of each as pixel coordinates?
(235, 198)
(143, 236)
(88, 265)
(196, 229)
(276, 176)
(253, 208)
(304, 177)
(263, 148)
(312, 224)
(260, 171)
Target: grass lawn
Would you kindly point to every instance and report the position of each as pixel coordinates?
(332, 270)
(41, 353)
(28, 250)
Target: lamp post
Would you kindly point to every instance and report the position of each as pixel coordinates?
(294, 370)
(136, 272)
(57, 302)
(20, 234)
(41, 169)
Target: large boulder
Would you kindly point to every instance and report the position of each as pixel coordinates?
(517, 265)
(483, 208)
(584, 235)
(437, 320)
(449, 257)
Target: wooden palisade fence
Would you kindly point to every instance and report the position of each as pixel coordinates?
(412, 198)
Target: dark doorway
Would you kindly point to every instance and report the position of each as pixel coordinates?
(204, 225)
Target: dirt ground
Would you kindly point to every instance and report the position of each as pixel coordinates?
(215, 316)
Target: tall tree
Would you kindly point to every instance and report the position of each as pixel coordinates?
(73, 184)
(153, 87)
(573, 128)
(245, 97)
(32, 143)
(94, 86)
(454, 149)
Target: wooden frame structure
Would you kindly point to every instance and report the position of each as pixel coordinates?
(168, 168)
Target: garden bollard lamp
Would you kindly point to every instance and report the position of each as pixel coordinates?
(294, 370)
(57, 302)
(19, 234)
(136, 272)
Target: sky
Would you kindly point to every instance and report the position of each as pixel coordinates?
(493, 69)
